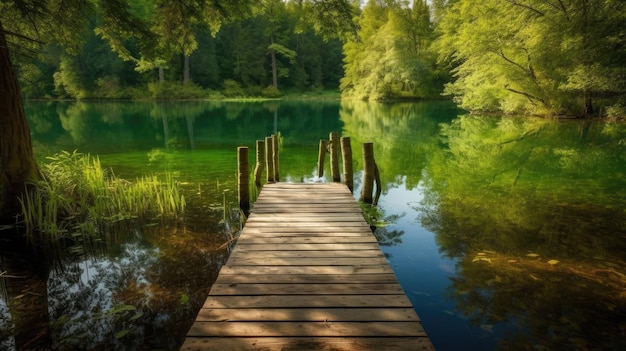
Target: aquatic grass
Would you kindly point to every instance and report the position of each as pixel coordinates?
(78, 198)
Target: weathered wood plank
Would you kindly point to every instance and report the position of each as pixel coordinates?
(307, 314)
(312, 233)
(308, 230)
(306, 289)
(365, 269)
(327, 224)
(250, 329)
(307, 344)
(307, 254)
(305, 278)
(262, 209)
(306, 246)
(306, 217)
(307, 240)
(310, 301)
(305, 261)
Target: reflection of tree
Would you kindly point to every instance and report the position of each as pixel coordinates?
(533, 212)
(404, 135)
(145, 294)
(26, 296)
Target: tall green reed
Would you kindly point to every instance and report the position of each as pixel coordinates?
(79, 198)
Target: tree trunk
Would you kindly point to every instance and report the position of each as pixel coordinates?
(588, 108)
(186, 70)
(17, 163)
(161, 75)
(274, 69)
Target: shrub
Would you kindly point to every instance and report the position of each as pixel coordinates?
(232, 89)
(271, 92)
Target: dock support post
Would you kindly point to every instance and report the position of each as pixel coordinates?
(369, 168)
(321, 157)
(243, 179)
(269, 159)
(334, 156)
(260, 162)
(346, 156)
(275, 156)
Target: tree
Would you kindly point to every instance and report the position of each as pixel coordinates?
(26, 24)
(30, 22)
(540, 57)
(22, 20)
(390, 59)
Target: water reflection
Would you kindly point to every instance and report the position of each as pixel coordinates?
(505, 233)
(533, 212)
(143, 292)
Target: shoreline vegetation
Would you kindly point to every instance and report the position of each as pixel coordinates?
(334, 95)
(80, 200)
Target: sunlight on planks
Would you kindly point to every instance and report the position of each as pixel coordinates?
(306, 274)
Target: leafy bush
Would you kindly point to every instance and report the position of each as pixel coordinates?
(271, 92)
(175, 91)
(232, 89)
(615, 112)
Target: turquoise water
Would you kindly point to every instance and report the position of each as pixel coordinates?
(505, 233)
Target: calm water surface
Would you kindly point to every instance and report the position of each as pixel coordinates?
(505, 233)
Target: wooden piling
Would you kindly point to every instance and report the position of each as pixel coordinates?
(269, 159)
(275, 156)
(260, 162)
(334, 157)
(243, 179)
(369, 169)
(346, 156)
(321, 158)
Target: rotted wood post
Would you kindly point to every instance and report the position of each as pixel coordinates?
(275, 156)
(369, 169)
(346, 156)
(243, 179)
(334, 157)
(260, 162)
(269, 159)
(321, 158)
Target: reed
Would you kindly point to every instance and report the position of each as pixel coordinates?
(78, 198)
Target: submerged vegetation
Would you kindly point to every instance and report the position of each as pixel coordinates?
(77, 198)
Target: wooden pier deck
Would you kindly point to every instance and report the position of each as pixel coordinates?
(306, 274)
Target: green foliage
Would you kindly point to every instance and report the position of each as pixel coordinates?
(79, 199)
(534, 57)
(271, 92)
(175, 91)
(232, 89)
(616, 111)
(391, 58)
(238, 49)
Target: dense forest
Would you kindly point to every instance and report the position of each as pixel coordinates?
(541, 57)
(527, 57)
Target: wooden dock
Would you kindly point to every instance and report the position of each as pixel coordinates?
(306, 274)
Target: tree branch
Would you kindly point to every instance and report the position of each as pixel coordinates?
(514, 2)
(531, 98)
(21, 36)
(505, 58)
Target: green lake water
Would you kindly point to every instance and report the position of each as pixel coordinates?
(505, 233)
